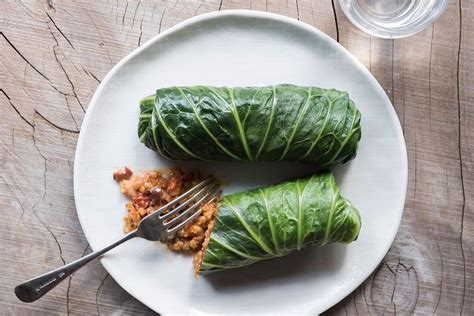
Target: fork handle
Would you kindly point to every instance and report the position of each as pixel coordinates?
(35, 288)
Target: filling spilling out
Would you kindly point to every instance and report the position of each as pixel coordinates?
(150, 190)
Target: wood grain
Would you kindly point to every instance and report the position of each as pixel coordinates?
(53, 56)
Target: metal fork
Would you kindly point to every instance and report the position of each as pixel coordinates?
(156, 226)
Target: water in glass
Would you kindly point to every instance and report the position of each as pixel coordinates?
(393, 18)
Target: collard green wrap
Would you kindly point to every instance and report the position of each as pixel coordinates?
(270, 222)
(282, 122)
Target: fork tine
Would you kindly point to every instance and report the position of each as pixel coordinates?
(210, 195)
(187, 211)
(180, 207)
(184, 195)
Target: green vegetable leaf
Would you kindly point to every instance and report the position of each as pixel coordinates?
(282, 122)
(264, 223)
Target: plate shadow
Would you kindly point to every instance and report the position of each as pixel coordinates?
(307, 263)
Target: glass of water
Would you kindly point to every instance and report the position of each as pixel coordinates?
(393, 18)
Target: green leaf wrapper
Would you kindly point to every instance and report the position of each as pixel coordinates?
(282, 122)
(269, 222)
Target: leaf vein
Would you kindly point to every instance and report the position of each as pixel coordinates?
(173, 137)
(270, 121)
(198, 117)
(255, 237)
(240, 127)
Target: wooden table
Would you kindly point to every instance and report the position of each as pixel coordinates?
(53, 57)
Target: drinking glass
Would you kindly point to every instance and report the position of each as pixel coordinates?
(393, 18)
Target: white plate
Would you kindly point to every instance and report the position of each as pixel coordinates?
(239, 48)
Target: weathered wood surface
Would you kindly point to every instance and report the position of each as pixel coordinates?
(53, 56)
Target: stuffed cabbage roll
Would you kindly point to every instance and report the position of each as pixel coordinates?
(270, 222)
(273, 123)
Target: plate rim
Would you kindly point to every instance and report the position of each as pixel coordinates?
(253, 14)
